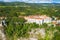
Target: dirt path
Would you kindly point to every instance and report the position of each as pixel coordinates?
(2, 35)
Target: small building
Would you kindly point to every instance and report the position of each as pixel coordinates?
(58, 21)
(2, 21)
(38, 19)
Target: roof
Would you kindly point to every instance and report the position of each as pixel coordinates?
(37, 17)
(54, 22)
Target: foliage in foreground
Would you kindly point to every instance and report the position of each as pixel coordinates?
(17, 28)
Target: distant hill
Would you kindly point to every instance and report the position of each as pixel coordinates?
(27, 4)
(22, 8)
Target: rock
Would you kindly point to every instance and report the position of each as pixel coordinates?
(33, 39)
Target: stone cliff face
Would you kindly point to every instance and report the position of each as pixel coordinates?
(37, 34)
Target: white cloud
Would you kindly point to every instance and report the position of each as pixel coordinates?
(6, 0)
(38, 1)
(9, 0)
(34, 1)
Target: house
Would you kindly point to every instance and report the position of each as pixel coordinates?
(58, 21)
(38, 19)
(2, 21)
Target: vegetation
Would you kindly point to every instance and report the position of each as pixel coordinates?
(17, 9)
(16, 27)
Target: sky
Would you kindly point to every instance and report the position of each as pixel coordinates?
(34, 1)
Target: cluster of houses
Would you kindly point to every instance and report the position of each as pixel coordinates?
(40, 19)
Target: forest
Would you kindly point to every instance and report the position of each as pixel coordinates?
(17, 8)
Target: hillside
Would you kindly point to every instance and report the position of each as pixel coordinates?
(30, 4)
(16, 28)
(21, 8)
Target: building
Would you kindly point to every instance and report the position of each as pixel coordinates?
(38, 19)
(58, 21)
(2, 21)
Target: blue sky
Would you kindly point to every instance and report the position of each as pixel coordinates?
(34, 1)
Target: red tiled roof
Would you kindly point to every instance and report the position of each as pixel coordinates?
(41, 17)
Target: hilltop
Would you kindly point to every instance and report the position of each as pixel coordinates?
(29, 4)
(22, 8)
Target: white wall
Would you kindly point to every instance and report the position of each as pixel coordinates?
(47, 20)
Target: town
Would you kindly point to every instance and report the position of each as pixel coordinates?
(38, 19)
